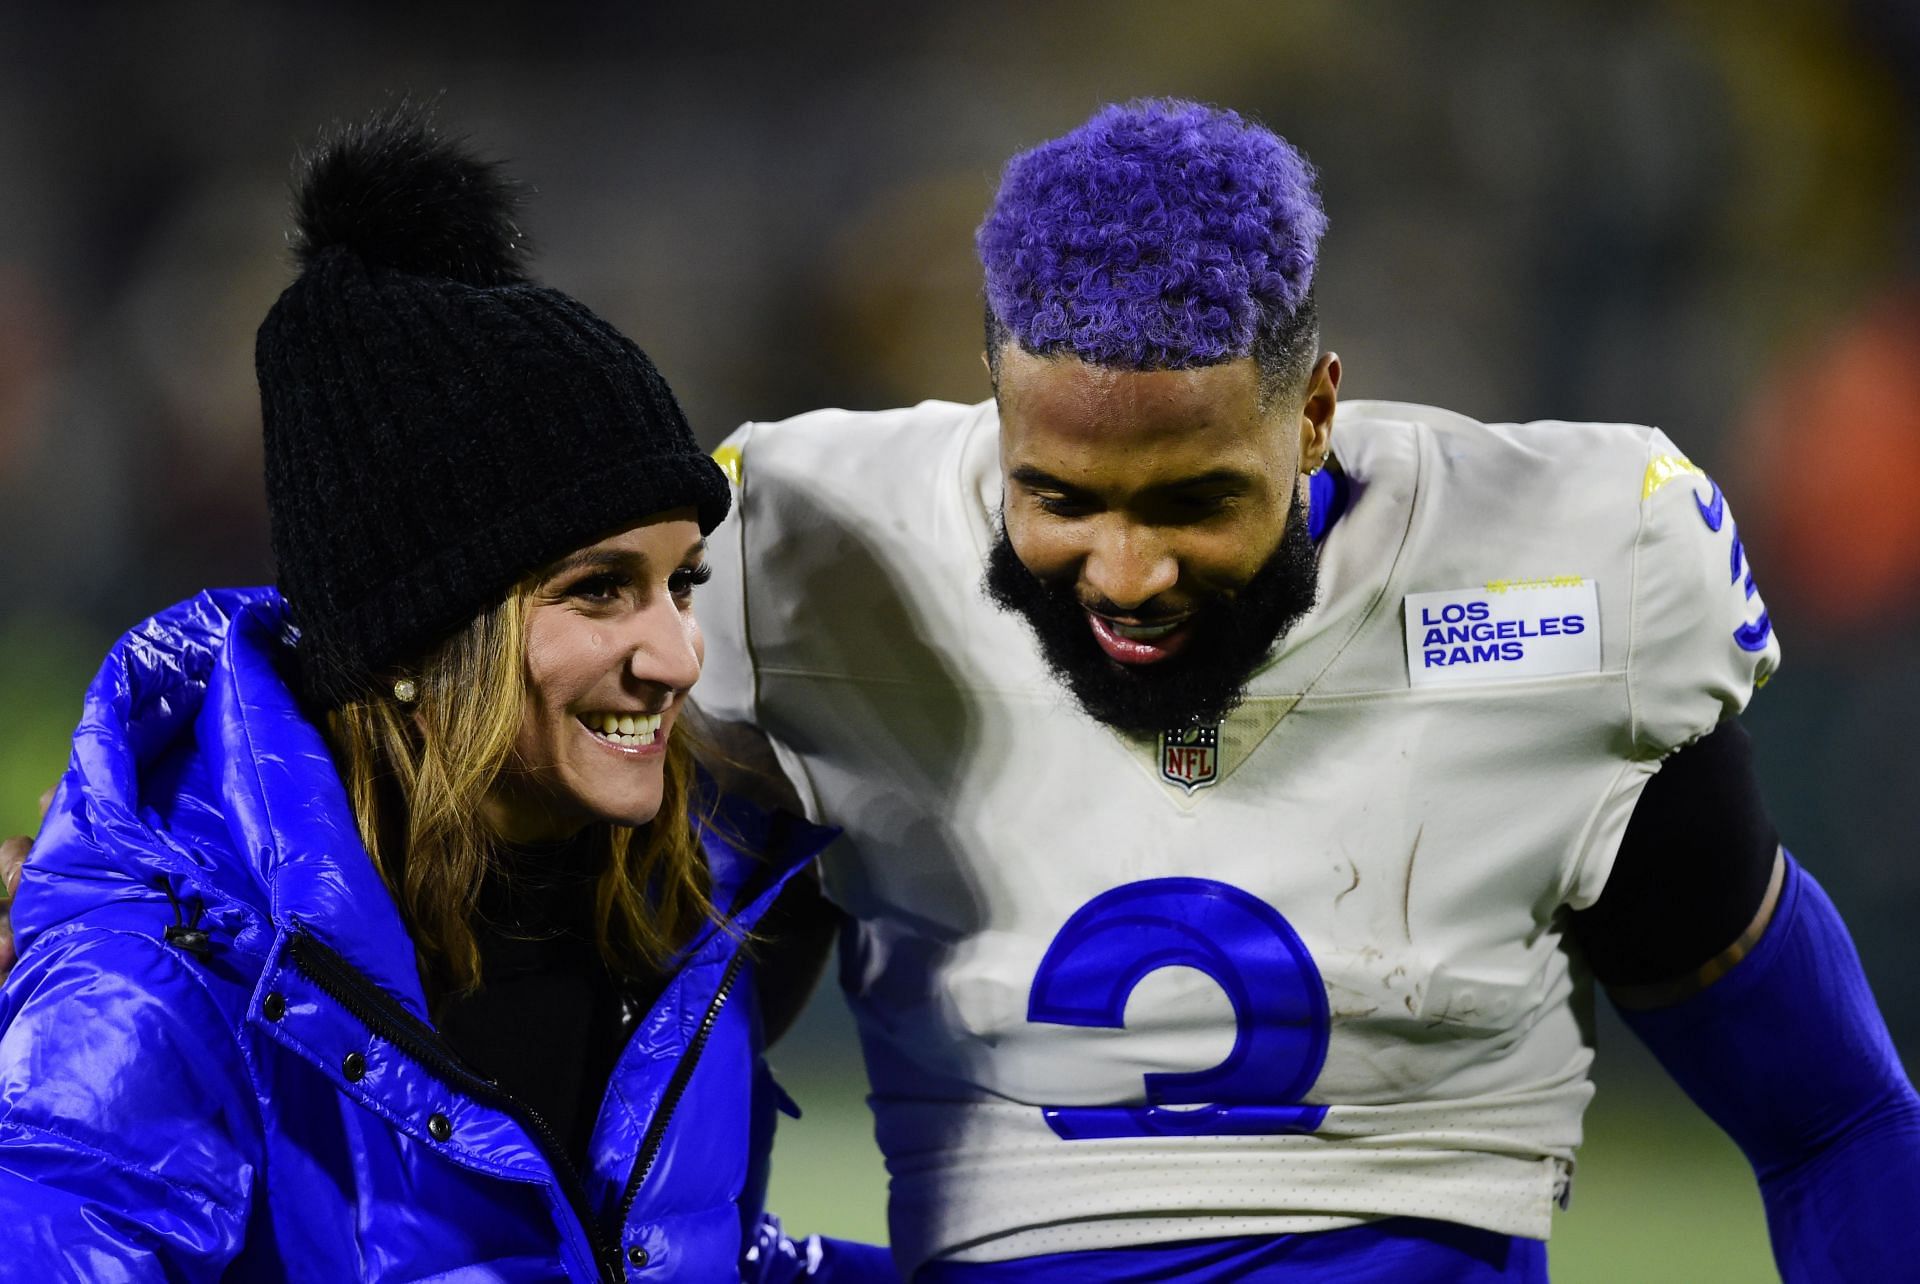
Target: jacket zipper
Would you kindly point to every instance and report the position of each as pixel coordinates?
(654, 1140)
(656, 1134)
(372, 1006)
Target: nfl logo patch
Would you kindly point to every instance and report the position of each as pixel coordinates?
(1190, 756)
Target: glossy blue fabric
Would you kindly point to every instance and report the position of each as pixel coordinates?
(184, 1109)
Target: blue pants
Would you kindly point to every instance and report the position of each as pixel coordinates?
(1398, 1250)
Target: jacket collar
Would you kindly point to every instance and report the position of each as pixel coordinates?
(289, 813)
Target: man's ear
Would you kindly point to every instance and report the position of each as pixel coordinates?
(1316, 411)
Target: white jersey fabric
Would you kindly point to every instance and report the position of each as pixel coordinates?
(1300, 972)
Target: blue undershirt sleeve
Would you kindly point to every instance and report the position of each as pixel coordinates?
(1789, 1055)
(773, 1257)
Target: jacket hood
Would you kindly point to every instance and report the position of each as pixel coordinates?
(199, 787)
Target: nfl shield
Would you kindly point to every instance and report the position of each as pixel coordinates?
(1190, 756)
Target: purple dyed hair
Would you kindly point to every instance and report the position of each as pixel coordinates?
(1161, 234)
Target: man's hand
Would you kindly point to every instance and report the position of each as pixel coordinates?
(13, 857)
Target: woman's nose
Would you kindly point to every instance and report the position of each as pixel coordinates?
(667, 651)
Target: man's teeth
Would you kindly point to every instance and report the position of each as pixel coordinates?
(624, 728)
(1143, 632)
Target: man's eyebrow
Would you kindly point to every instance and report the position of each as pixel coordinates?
(1211, 479)
(1039, 479)
(1216, 478)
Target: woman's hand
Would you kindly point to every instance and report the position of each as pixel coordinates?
(13, 858)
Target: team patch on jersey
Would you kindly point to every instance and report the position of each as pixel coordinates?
(1190, 756)
(1527, 628)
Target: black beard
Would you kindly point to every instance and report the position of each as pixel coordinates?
(1232, 634)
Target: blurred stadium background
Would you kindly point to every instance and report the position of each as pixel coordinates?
(1695, 213)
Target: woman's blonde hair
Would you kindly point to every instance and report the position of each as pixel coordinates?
(418, 776)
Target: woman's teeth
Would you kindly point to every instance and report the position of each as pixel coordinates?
(624, 728)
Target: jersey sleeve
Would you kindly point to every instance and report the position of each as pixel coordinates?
(728, 693)
(1701, 640)
(726, 690)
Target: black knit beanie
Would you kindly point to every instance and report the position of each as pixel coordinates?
(437, 425)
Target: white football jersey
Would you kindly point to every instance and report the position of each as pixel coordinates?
(1290, 973)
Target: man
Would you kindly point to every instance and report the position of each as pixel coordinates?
(1241, 793)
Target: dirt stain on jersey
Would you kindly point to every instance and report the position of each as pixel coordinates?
(1406, 892)
(1350, 886)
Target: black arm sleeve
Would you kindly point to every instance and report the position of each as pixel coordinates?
(791, 949)
(1693, 867)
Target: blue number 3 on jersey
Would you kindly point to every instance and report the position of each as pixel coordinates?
(1279, 1002)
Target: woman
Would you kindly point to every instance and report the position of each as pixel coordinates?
(368, 936)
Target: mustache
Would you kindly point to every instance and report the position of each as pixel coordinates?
(1105, 609)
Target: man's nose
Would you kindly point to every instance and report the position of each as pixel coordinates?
(1129, 565)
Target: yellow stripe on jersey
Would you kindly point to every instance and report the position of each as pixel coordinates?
(731, 463)
(1662, 469)
(1536, 582)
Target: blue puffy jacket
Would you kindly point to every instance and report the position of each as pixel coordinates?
(215, 1057)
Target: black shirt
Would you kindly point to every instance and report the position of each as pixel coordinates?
(549, 1020)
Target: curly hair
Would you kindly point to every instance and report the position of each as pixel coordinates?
(1161, 234)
